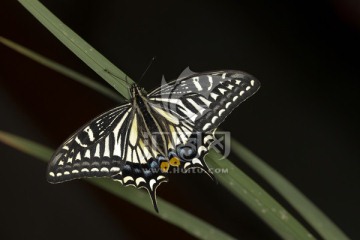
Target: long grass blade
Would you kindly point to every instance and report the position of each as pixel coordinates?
(313, 215)
(257, 199)
(169, 212)
(62, 69)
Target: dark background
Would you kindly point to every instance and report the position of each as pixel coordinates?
(304, 121)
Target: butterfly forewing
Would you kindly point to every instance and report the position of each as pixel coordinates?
(205, 99)
(92, 150)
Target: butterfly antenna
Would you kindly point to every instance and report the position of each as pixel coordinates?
(126, 76)
(147, 68)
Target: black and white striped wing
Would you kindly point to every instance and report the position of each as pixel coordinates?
(111, 145)
(203, 101)
(206, 99)
(90, 151)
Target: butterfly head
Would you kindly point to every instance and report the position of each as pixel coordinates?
(136, 91)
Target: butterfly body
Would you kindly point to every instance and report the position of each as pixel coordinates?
(140, 142)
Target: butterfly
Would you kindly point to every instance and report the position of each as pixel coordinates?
(139, 142)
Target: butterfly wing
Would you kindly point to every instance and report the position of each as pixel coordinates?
(108, 146)
(203, 101)
(206, 99)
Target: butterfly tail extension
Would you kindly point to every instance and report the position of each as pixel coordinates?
(151, 188)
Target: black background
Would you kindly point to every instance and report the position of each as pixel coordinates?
(304, 121)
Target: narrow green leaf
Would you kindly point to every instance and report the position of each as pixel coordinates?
(258, 200)
(168, 212)
(103, 67)
(62, 69)
(313, 215)
(26, 146)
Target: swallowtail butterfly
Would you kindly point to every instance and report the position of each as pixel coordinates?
(139, 142)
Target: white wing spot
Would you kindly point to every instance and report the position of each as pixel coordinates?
(234, 99)
(221, 112)
(59, 174)
(223, 75)
(52, 174)
(139, 180)
(248, 88)
(237, 82)
(211, 83)
(78, 157)
(252, 82)
(208, 138)
(206, 126)
(196, 161)
(222, 90)
(94, 170)
(160, 177)
(151, 183)
(78, 141)
(241, 93)
(128, 154)
(65, 147)
(75, 171)
(84, 170)
(115, 169)
(90, 133)
(87, 154)
(213, 120)
(128, 178)
(134, 131)
(230, 86)
(227, 105)
(197, 84)
(107, 147)
(214, 96)
(66, 173)
(201, 149)
(97, 151)
(104, 169)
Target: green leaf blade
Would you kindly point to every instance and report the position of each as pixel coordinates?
(62, 69)
(312, 214)
(258, 200)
